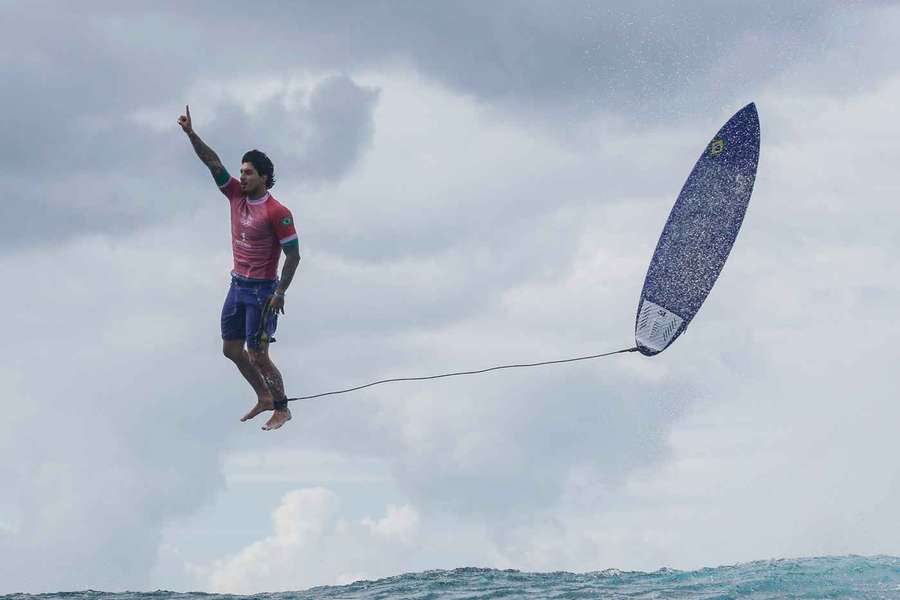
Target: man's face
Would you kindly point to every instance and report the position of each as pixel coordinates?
(250, 179)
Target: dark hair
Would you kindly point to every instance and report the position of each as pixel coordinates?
(262, 164)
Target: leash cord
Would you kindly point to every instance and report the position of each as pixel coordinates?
(518, 366)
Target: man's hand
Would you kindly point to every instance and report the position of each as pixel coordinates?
(276, 304)
(185, 121)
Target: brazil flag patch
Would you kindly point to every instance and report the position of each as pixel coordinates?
(286, 221)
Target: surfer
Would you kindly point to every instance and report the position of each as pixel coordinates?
(261, 228)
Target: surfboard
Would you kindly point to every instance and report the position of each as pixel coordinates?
(699, 233)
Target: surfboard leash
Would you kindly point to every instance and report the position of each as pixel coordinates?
(442, 375)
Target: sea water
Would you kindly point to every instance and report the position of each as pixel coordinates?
(828, 577)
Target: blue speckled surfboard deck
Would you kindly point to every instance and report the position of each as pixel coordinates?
(699, 233)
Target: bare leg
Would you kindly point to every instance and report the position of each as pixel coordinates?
(272, 377)
(234, 350)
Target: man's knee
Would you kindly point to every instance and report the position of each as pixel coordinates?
(233, 349)
(258, 356)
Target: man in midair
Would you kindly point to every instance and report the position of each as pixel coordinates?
(261, 228)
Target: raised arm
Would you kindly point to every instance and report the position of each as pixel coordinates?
(206, 154)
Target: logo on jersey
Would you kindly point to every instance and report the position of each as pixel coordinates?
(716, 147)
(286, 221)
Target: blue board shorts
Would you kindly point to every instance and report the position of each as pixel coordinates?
(243, 309)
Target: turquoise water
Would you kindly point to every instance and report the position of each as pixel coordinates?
(847, 577)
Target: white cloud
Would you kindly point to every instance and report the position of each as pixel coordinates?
(401, 523)
(311, 544)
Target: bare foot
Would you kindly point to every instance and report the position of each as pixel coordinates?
(262, 405)
(278, 419)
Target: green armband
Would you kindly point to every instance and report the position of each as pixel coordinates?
(223, 178)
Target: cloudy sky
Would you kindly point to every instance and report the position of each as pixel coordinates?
(474, 183)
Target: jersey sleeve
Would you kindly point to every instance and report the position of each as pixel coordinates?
(283, 226)
(231, 188)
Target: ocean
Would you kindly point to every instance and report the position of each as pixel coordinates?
(843, 577)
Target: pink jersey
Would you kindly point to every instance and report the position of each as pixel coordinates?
(259, 228)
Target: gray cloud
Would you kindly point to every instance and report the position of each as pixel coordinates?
(318, 139)
(340, 127)
(73, 85)
(649, 59)
(114, 178)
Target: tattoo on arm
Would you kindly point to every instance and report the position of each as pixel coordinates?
(209, 158)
